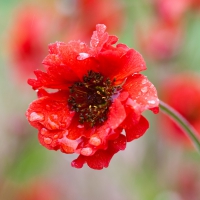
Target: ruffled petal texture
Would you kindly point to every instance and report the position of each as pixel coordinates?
(101, 158)
(142, 94)
(97, 102)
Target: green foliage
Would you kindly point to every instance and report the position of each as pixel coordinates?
(31, 161)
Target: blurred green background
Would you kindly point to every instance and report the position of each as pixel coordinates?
(151, 168)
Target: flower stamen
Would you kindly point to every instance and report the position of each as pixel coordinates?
(92, 98)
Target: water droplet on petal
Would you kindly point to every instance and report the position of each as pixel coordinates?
(52, 124)
(80, 126)
(142, 65)
(48, 107)
(83, 56)
(64, 125)
(47, 140)
(36, 117)
(95, 141)
(144, 81)
(152, 86)
(151, 102)
(76, 164)
(86, 151)
(101, 28)
(55, 136)
(43, 131)
(82, 45)
(144, 89)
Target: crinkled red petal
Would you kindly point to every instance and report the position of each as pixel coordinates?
(143, 94)
(112, 39)
(99, 37)
(51, 113)
(77, 130)
(116, 116)
(49, 138)
(123, 46)
(120, 63)
(66, 64)
(57, 95)
(55, 78)
(133, 128)
(58, 75)
(101, 158)
(76, 137)
(132, 62)
(123, 96)
(69, 145)
(110, 61)
(77, 57)
(54, 47)
(118, 144)
(57, 70)
(79, 162)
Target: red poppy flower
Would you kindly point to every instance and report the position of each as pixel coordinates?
(161, 40)
(98, 94)
(185, 90)
(187, 181)
(28, 37)
(172, 11)
(39, 190)
(105, 12)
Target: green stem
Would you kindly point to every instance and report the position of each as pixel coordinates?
(183, 124)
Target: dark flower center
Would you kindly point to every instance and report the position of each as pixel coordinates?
(92, 98)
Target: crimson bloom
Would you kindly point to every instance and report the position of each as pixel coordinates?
(172, 11)
(162, 40)
(39, 190)
(106, 12)
(28, 36)
(185, 90)
(88, 96)
(187, 182)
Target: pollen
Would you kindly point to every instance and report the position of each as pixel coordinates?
(92, 97)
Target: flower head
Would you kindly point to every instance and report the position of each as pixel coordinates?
(172, 11)
(28, 36)
(185, 91)
(97, 93)
(38, 189)
(161, 41)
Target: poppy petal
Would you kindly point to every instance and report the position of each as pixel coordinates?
(77, 57)
(99, 37)
(50, 113)
(120, 63)
(133, 129)
(50, 138)
(101, 158)
(143, 94)
(116, 116)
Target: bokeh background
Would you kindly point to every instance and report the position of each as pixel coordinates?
(161, 165)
